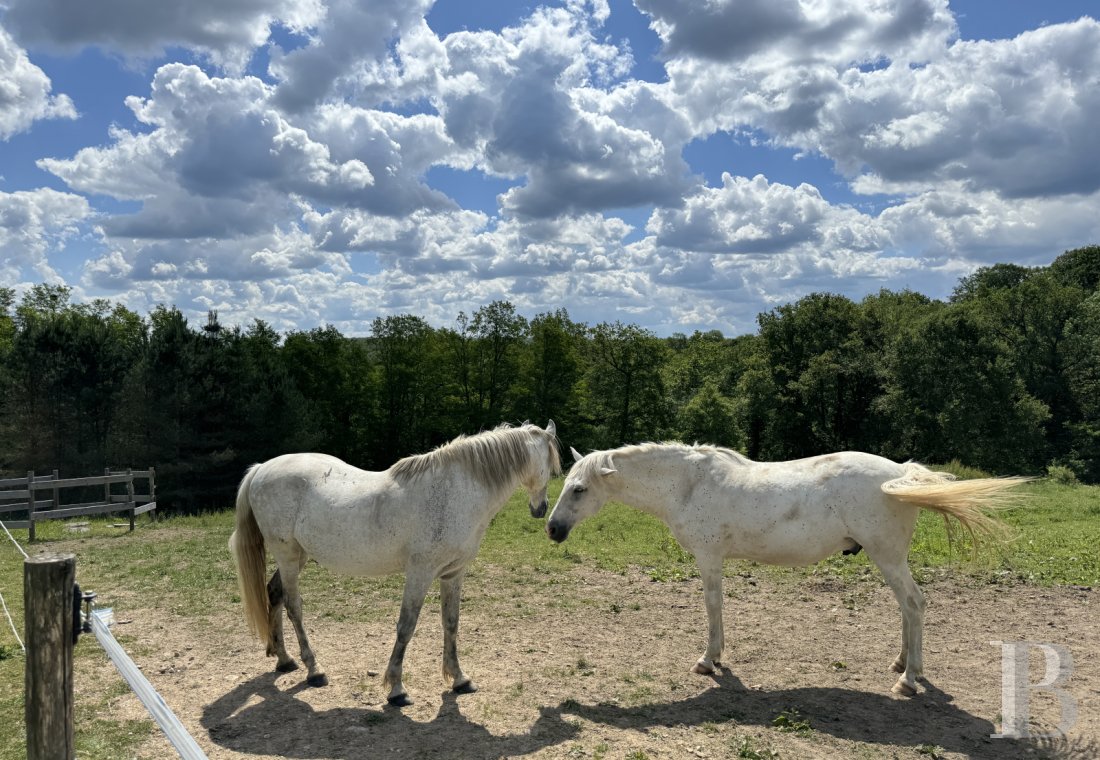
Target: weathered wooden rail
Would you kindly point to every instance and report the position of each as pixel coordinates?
(22, 495)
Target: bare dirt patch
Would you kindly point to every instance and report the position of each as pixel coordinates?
(596, 664)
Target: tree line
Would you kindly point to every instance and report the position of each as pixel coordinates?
(1004, 376)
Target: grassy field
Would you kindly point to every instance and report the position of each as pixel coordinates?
(185, 564)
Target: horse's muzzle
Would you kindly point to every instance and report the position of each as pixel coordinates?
(557, 531)
(538, 510)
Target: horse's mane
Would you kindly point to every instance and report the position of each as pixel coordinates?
(598, 460)
(492, 456)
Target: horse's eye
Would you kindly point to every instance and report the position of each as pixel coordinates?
(578, 490)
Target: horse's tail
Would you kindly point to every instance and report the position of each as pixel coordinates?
(247, 545)
(973, 503)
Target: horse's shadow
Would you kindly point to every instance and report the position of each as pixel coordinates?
(930, 718)
(257, 717)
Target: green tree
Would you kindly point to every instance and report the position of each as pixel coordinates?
(709, 417)
(9, 445)
(549, 375)
(988, 280)
(1081, 361)
(67, 366)
(954, 393)
(498, 332)
(268, 418)
(699, 377)
(625, 391)
(409, 386)
(823, 377)
(1079, 267)
(755, 402)
(336, 381)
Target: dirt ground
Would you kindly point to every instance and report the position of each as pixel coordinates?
(596, 665)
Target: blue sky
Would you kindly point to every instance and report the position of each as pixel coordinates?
(677, 165)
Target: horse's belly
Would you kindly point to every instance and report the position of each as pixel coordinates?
(789, 545)
(359, 563)
(349, 553)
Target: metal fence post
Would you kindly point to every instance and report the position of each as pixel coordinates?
(48, 607)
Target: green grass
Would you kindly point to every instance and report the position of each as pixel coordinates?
(1055, 541)
(791, 721)
(182, 565)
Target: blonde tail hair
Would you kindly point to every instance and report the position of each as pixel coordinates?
(247, 545)
(973, 503)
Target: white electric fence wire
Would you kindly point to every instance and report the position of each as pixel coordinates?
(12, 623)
(184, 743)
(2, 602)
(17, 546)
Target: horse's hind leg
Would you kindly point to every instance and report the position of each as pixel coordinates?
(293, 600)
(450, 591)
(417, 583)
(277, 648)
(910, 662)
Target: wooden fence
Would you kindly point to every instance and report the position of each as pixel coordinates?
(23, 495)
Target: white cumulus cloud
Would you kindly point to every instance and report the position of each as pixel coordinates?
(25, 91)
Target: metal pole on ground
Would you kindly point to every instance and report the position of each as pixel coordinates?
(48, 607)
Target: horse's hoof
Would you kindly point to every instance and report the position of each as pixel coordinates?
(903, 689)
(703, 669)
(318, 680)
(898, 666)
(400, 700)
(286, 667)
(465, 688)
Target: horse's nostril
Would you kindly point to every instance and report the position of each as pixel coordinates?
(557, 532)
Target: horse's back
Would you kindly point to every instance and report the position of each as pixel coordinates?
(288, 489)
(799, 511)
(843, 475)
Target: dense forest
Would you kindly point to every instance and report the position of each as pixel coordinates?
(1004, 375)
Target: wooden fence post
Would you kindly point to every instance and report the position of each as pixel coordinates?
(153, 492)
(48, 608)
(30, 506)
(130, 495)
(56, 493)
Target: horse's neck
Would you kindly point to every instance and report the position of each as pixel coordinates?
(496, 495)
(649, 481)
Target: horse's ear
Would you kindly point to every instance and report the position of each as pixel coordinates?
(607, 471)
(576, 454)
(551, 428)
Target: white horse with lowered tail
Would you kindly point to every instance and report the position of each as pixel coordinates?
(424, 516)
(720, 504)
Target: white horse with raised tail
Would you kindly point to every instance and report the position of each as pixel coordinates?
(720, 504)
(424, 516)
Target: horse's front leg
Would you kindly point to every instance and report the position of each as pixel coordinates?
(450, 591)
(417, 583)
(710, 568)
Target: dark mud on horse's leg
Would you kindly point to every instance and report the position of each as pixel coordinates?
(450, 589)
(292, 598)
(416, 588)
(275, 645)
